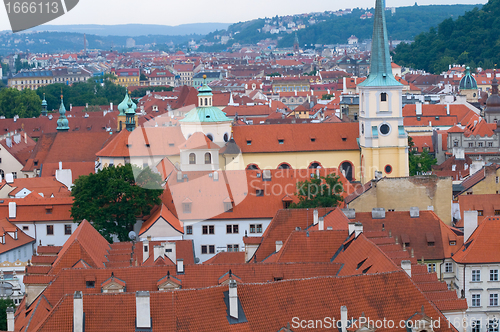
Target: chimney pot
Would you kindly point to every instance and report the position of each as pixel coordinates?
(343, 318)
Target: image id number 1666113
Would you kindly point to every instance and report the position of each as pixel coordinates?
(24, 7)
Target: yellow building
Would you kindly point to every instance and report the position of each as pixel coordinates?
(483, 182)
(383, 140)
(401, 194)
(127, 77)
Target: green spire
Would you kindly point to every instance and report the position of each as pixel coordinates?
(44, 106)
(380, 63)
(122, 107)
(130, 114)
(62, 122)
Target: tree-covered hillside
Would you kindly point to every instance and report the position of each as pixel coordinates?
(473, 39)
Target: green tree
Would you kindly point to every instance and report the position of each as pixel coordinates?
(143, 77)
(419, 163)
(323, 191)
(4, 304)
(25, 103)
(113, 198)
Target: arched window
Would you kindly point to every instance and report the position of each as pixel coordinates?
(347, 170)
(226, 137)
(210, 137)
(192, 159)
(284, 166)
(206, 101)
(383, 96)
(208, 158)
(252, 167)
(314, 165)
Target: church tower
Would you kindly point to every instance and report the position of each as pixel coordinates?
(468, 87)
(296, 47)
(383, 140)
(62, 122)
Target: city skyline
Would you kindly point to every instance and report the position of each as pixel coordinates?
(125, 12)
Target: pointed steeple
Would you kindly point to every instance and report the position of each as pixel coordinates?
(44, 106)
(62, 122)
(380, 63)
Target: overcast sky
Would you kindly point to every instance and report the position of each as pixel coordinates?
(175, 12)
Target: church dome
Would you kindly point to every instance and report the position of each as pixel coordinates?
(468, 82)
(493, 101)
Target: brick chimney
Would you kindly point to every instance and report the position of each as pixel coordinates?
(10, 319)
(78, 315)
(233, 299)
(142, 310)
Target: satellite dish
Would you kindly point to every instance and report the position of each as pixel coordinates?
(132, 235)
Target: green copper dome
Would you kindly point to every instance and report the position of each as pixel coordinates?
(468, 82)
(205, 113)
(124, 105)
(44, 102)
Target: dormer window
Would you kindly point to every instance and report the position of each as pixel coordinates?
(281, 141)
(249, 142)
(186, 207)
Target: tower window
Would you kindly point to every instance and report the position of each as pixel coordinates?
(383, 96)
(385, 129)
(388, 169)
(208, 158)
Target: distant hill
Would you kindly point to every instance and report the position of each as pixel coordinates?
(471, 39)
(134, 30)
(327, 28)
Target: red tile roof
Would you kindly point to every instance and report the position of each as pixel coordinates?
(372, 295)
(162, 212)
(481, 247)
(13, 236)
(297, 137)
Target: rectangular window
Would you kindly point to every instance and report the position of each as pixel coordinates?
(232, 229)
(90, 284)
(497, 212)
(431, 267)
(476, 275)
(471, 145)
(479, 212)
(476, 300)
(233, 248)
(490, 144)
(259, 192)
(204, 249)
(211, 249)
(493, 275)
(476, 326)
(26, 228)
(14, 174)
(208, 230)
(494, 300)
(186, 207)
(448, 267)
(189, 230)
(67, 230)
(50, 229)
(493, 325)
(256, 228)
(480, 144)
(497, 180)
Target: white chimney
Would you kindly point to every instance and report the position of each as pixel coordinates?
(9, 178)
(418, 109)
(158, 252)
(180, 266)
(470, 223)
(110, 106)
(344, 91)
(315, 217)
(145, 249)
(343, 318)
(358, 228)
(60, 165)
(170, 251)
(10, 319)
(321, 224)
(414, 212)
(279, 245)
(12, 210)
(233, 299)
(447, 109)
(142, 310)
(406, 266)
(78, 320)
(351, 227)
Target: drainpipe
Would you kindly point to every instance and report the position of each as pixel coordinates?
(463, 290)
